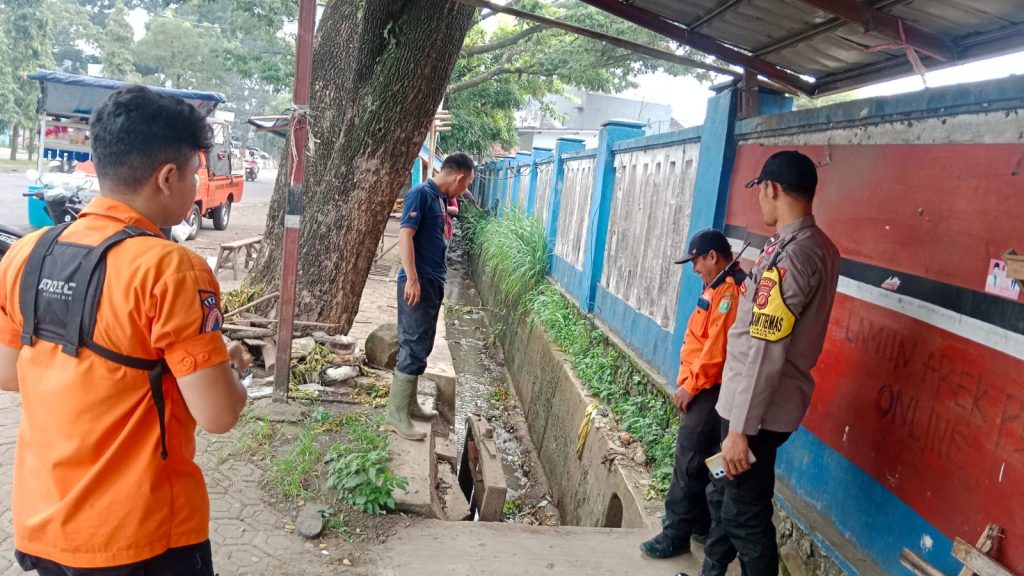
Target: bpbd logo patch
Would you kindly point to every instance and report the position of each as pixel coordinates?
(213, 319)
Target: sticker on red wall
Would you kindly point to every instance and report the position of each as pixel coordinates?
(998, 283)
(891, 283)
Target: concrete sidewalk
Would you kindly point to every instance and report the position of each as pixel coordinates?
(435, 548)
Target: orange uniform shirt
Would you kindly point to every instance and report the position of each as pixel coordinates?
(702, 357)
(90, 488)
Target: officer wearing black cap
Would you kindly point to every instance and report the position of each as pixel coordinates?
(767, 384)
(700, 374)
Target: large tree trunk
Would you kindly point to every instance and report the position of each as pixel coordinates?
(380, 68)
(15, 134)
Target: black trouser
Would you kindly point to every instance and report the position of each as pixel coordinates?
(699, 437)
(741, 513)
(417, 326)
(194, 560)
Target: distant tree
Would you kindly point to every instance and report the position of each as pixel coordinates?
(177, 53)
(116, 45)
(26, 26)
(499, 71)
(74, 36)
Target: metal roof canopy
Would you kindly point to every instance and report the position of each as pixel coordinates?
(840, 44)
(73, 96)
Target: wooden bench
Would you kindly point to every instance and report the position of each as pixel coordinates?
(227, 256)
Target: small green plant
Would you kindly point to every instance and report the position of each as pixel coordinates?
(358, 468)
(334, 521)
(253, 437)
(511, 509)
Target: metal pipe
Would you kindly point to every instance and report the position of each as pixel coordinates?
(293, 207)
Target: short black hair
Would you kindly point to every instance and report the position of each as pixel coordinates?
(459, 161)
(137, 130)
(802, 192)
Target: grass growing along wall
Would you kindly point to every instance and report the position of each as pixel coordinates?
(514, 254)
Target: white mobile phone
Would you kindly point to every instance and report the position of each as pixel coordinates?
(716, 467)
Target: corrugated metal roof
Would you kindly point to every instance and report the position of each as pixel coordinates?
(811, 38)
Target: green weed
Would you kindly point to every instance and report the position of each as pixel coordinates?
(359, 470)
(290, 473)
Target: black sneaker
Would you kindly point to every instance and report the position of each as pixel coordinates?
(661, 546)
(701, 539)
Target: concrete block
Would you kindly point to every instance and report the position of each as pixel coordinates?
(414, 461)
(456, 507)
(445, 450)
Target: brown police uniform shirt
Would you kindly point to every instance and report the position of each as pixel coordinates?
(780, 330)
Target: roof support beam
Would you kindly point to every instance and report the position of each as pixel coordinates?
(728, 5)
(652, 52)
(889, 26)
(706, 44)
(831, 25)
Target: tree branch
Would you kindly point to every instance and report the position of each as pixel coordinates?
(600, 36)
(478, 80)
(501, 44)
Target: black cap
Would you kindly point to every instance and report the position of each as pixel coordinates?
(705, 241)
(788, 168)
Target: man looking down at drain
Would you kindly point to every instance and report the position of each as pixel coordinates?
(111, 335)
(422, 249)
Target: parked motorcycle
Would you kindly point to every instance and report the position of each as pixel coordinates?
(63, 202)
(252, 168)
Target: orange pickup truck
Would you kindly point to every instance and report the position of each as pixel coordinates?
(219, 185)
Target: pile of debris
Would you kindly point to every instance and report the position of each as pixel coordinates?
(319, 358)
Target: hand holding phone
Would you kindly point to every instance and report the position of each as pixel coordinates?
(717, 467)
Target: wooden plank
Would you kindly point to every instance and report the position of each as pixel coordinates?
(977, 561)
(986, 544)
(917, 565)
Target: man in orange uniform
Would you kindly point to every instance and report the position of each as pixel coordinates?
(700, 375)
(111, 335)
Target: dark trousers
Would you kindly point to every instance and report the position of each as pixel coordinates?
(417, 326)
(194, 560)
(741, 513)
(699, 437)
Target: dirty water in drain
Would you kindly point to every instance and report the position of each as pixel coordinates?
(481, 389)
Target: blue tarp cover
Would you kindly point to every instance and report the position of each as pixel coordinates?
(73, 95)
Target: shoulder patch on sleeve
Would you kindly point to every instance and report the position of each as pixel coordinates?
(213, 319)
(725, 305)
(772, 320)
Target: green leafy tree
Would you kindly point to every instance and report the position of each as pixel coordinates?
(74, 36)
(116, 45)
(26, 26)
(180, 54)
(499, 71)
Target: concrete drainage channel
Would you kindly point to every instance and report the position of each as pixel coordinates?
(525, 411)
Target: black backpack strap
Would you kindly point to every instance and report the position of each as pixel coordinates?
(30, 277)
(72, 332)
(156, 370)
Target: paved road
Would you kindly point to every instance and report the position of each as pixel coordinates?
(14, 207)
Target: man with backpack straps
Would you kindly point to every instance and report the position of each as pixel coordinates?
(111, 335)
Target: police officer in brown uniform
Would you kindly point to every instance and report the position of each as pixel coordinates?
(767, 384)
